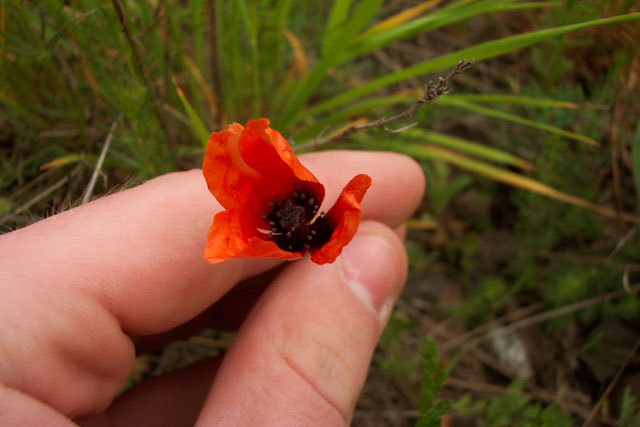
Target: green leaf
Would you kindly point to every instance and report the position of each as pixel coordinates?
(630, 411)
(455, 12)
(503, 115)
(60, 31)
(481, 51)
(337, 16)
(469, 147)
(505, 176)
(197, 124)
(249, 18)
(526, 101)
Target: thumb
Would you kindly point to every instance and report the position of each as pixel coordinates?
(302, 355)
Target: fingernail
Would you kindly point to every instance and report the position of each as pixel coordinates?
(372, 269)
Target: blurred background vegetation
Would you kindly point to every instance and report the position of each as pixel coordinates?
(524, 253)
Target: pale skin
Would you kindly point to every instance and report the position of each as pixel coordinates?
(82, 291)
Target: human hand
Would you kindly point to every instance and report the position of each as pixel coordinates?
(82, 291)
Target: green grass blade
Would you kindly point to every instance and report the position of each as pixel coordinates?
(63, 28)
(333, 48)
(337, 16)
(281, 16)
(505, 176)
(525, 6)
(526, 101)
(468, 147)
(502, 115)
(364, 12)
(455, 12)
(482, 51)
(199, 129)
(250, 21)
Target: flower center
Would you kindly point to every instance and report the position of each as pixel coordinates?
(293, 224)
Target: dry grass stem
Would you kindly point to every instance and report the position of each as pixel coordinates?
(431, 94)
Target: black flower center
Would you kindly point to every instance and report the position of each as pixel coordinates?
(294, 222)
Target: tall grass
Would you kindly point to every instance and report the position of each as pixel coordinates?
(184, 68)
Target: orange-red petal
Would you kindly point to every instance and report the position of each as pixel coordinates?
(229, 178)
(231, 237)
(344, 217)
(242, 161)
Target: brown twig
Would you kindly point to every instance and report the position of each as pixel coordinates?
(551, 314)
(94, 177)
(431, 93)
(613, 382)
(511, 317)
(35, 199)
(142, 69)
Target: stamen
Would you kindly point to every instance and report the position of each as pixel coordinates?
(293, 222)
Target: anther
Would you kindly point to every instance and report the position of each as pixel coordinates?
(272, 223)
(293, 229)
(290, 247)
(303, 196)
(311, 201)
(288, 234)
(313, 232)
(306, 246)
(315, 208)
(309, 237)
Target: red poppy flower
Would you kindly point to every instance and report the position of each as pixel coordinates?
(271, 201)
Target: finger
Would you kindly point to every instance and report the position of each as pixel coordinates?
(303, 352)
(171, 400)
(227, 314)
(140, 251)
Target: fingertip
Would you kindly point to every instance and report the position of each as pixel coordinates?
(374, 267)
(398, 182)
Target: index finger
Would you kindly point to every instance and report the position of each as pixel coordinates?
(140, 252)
